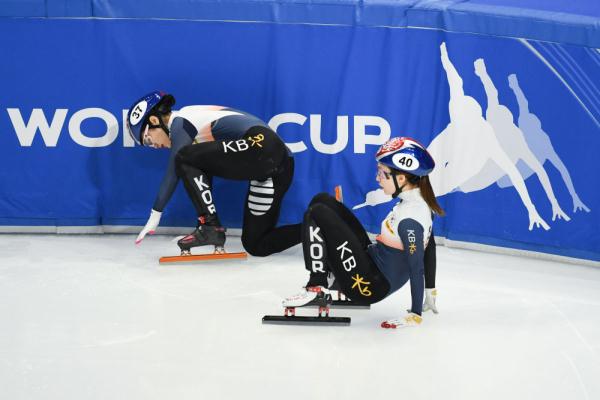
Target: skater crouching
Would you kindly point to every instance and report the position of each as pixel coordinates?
(208, 141)
(336, 245)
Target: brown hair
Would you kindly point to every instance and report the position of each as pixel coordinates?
(426, 191)
(429, 196)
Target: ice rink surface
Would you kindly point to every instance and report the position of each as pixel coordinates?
(95, 317)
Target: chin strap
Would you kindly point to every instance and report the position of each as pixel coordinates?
(412, 179)
(161, 125)
(398, 188)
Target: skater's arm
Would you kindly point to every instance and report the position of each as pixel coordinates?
(411, 234)
(182, 134)
(430, 263)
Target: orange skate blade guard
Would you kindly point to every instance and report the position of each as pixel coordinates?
(203, 257)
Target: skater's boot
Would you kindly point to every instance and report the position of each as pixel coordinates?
(208, 232)
(335, 289)
(309, 296)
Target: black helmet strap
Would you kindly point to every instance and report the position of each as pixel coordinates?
(161, 125)
(409, 177)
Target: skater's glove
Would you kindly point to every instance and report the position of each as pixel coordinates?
(150, 227)
(429, 303)
(410, 319)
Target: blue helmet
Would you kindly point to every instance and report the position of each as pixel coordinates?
(407, 155)
(139, 113)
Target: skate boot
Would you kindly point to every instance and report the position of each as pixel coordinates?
(334, 288)
(204, 235)
(310, 296)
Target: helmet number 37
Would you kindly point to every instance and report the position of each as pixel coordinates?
(138, 112)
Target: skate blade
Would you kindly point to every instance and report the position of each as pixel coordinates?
(302, 320)
(202, 257)
(348, 305)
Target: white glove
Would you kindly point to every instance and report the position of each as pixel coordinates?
(406, 320)
(429, 303)
(150, 227)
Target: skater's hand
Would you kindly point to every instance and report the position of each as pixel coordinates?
(429, 303)
(409, 319)
(150, 227)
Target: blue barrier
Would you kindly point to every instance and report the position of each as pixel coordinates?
(66, 161)
(572, 22)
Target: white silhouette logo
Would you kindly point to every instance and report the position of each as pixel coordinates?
(540, 145)
(474, 152)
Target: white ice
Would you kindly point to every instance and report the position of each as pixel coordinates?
(95, 317)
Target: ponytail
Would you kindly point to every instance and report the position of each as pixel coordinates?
(429, 196)
(424, 186)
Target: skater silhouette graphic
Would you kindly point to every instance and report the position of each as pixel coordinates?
(511, 138)
(539, 144)
(467, 152)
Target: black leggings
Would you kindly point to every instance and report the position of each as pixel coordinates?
(328, 224)
(260, 157)
(335, 241)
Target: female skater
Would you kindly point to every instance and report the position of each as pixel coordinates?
(336, 244)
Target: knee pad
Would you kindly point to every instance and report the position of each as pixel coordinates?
(253, 247)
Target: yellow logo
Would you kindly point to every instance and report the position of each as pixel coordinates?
(412, 248)
(255, 140)
(389, 227)
(358, 281)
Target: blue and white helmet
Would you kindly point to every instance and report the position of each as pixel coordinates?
(407, 155)
(139, 113)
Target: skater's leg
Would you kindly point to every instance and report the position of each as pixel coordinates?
(241, 159)
(313, 245)
(313, 248)
(260, 237)
(345, 214)
(198, 186)
(347, 258)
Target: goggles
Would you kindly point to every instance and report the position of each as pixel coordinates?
(381, 174)
(146, 138)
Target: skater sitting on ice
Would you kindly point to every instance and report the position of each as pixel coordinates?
(207, 141)
(336, 245)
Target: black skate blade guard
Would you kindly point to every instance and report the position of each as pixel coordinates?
(302, 320)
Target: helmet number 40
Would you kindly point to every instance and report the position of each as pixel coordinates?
(405, 161)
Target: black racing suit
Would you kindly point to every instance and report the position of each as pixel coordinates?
(209, 141)
(334, 241)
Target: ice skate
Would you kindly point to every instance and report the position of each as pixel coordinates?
(317, 296)
(309, 296)
(203, 235)
(339, 299)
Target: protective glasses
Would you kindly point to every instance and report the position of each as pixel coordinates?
(381, 174)
(146, 138)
